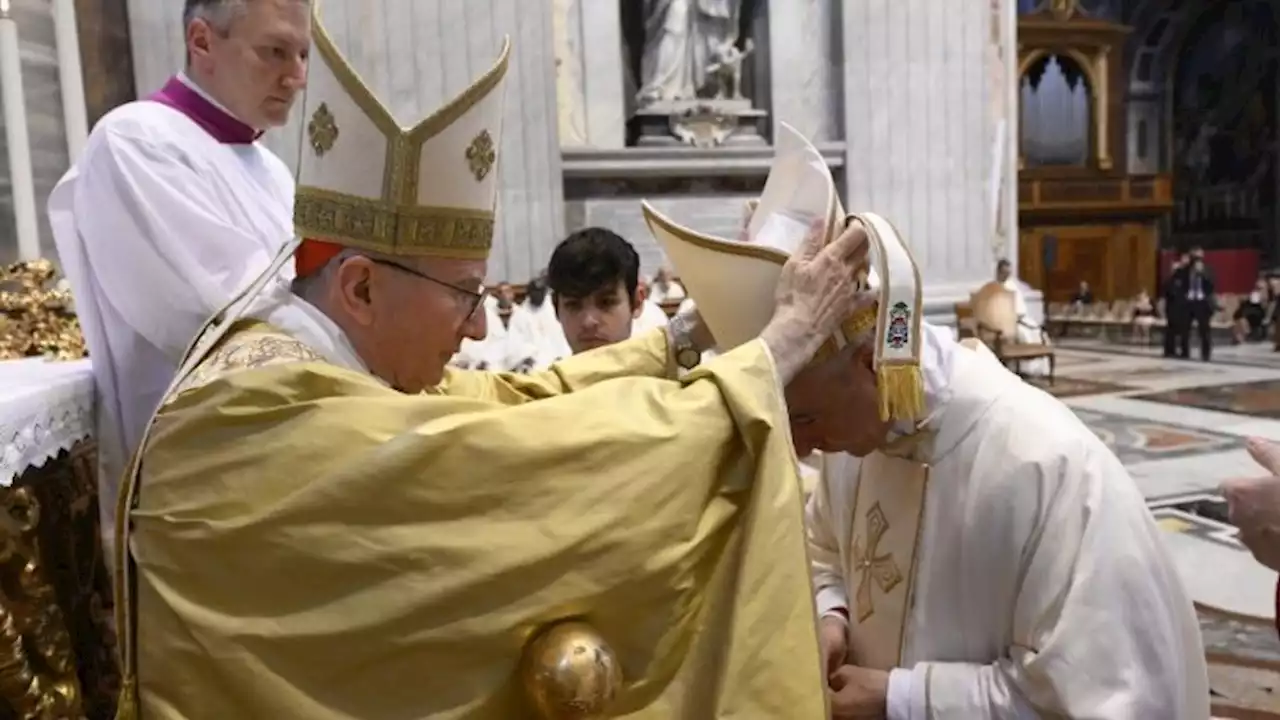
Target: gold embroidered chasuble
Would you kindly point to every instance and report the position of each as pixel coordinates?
(311, 544)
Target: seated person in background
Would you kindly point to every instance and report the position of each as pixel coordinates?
(1029, 331)
(594, 276)
(1083, 297)
(1144, 316)
(664, 289)
(1248, 321)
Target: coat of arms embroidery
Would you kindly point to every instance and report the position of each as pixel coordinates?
(898, 334)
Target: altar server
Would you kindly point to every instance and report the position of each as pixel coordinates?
(311, 535)
(977, 552)
(175, 206)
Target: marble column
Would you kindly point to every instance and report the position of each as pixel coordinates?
(590, 72)
(106, 56)
(416, 55)
(918, 132)
(804, 57)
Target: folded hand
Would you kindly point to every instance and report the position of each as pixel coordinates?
(1254, 504)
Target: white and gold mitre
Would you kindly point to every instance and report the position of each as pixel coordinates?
(733, 282)
(366, 182)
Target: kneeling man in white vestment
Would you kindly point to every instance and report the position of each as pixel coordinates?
(976, 551)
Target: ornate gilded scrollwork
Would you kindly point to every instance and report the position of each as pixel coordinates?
(570, 673)
(37, 666)
(55, 641)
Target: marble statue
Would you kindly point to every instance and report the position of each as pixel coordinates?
(690, 51)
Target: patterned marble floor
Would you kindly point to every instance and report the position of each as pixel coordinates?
(1179, 427)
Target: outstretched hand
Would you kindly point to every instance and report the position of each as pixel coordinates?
(1254, 504)
(819, 282)
(817, 291)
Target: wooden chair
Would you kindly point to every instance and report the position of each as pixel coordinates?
(964, 321)
(996, 323)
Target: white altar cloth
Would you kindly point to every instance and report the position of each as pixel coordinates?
(45, 407)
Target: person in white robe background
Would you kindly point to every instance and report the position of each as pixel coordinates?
(664, 288)
(174, 207)
(1028, 330)
(489, 352)
(976, 551)
(536, 332)
(651, 313)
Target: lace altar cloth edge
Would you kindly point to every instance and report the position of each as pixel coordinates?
(45, 407)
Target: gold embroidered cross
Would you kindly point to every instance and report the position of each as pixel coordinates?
(322, 131)
(880, 568)
(481, 155)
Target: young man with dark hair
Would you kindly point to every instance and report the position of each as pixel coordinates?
(594, 276)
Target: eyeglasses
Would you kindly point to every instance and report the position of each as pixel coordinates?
(476, 298)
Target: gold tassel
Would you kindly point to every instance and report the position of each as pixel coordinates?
(127, 707)
(901, 388)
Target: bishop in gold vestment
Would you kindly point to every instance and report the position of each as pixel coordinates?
(303, 540)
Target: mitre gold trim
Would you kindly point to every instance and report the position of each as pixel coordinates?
(394, 223)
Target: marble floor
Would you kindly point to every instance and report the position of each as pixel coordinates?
(1179, 427)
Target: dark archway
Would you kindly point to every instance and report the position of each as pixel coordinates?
(1223, 129)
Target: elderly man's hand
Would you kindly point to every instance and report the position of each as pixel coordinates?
(1254, 504)
(859, 693)
(817, 291)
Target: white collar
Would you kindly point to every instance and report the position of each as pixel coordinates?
(280, 308)
(186, 80)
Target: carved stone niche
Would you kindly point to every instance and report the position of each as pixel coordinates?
(693, 76)
(1097, 47)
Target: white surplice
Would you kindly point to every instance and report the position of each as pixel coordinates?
(651, 317)
(489, 353)
(536, 336)
(1017, 574)
(157, 226)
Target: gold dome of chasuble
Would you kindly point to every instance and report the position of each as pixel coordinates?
(366, 182)
(733, 282)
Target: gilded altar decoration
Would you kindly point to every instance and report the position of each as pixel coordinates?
(570, 673)
(57, 646)
(37, 314)
(873, 567)
(322, 131)
(38, 676)
(481, 155)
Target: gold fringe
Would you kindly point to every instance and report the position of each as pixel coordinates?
(901, 388)
(127, 707)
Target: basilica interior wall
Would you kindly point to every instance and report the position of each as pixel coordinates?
(900, 98)
(415, 56)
